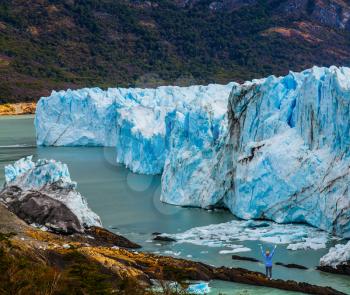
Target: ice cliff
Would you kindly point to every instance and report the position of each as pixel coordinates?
(43, 193)
(134, 120)
(285, 156)
(275, 148)
(290, 148)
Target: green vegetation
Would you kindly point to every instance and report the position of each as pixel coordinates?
(54, 44)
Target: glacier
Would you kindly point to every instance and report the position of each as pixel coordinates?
(285, 156)
(276, 148)
(46, 183)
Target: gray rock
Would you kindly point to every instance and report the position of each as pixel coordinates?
(36, 207)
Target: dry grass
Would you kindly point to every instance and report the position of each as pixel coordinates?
(75, 271)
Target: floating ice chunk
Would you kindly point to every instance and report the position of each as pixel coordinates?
(169, 252)
(309, 243)
(199, 288)
(236, 250)
(340, 254)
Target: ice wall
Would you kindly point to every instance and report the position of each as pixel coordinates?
(290, 149)
(284, 157)
(131, 119)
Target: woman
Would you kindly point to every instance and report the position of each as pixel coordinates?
(268, 260)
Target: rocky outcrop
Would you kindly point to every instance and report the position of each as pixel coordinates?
(105, 238)
(243, 258)
(333, 13)
(163, 239)
(253, 278)
(35, 207)
(43, 194)
(337, 260)
(291, 265)
(342, 269)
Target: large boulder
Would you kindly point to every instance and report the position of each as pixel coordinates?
(337, 260)
(43, 194)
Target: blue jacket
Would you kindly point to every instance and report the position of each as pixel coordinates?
(268, 258)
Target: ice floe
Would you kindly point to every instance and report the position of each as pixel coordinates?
(228, 234)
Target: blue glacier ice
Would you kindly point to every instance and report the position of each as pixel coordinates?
(76, 118)
(27, 174)
(275, 148)
(199, 288)
(285, 155)
(131, 119)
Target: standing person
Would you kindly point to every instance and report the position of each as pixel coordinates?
(268, 260)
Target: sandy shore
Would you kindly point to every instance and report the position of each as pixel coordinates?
(21, 108)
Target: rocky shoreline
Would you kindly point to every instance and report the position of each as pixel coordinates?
(116, 256)
(22, 108)
(343, 269)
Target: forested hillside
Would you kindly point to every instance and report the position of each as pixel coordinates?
(58, 44)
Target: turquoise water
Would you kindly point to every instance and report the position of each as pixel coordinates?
(129, 204)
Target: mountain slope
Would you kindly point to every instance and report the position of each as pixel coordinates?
(51, 44)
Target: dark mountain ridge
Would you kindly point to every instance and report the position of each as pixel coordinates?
(55, 44)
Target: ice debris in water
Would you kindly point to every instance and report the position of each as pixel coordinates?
(239, 249)
(169, 252)
(199, 288)
(227, 234)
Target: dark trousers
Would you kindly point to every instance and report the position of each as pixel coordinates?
(268, 271)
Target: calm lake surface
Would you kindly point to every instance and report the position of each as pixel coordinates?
(129, 204)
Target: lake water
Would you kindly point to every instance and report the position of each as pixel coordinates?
(129, 204)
